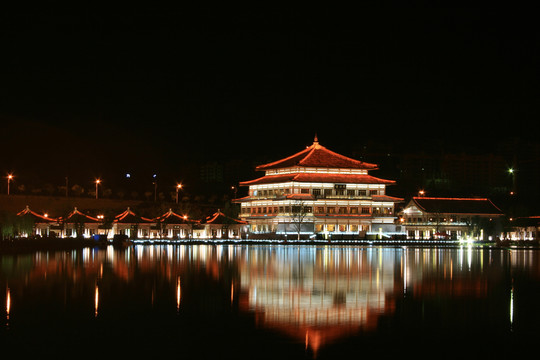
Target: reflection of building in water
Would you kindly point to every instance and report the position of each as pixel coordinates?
(315, 295)
(318, 294)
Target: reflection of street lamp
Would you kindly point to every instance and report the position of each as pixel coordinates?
(178, 187)
(9, 178)
(98, 181)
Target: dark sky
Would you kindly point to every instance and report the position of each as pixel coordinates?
(142, 88)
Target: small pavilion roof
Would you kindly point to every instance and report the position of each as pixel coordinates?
(129, 217)
(37, 217)
(457, 206)
(319, 177)
(317, 155)
(527, 221)
(170, 217)
(79, 217)
(220, 218)
(386, 198)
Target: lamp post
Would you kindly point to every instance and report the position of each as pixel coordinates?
(178, 187)
(512, 172)
(155, 187)
(98, 181)
(9, 178)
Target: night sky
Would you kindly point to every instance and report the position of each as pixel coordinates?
(106, 91)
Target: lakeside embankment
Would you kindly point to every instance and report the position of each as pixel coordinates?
(24, 245)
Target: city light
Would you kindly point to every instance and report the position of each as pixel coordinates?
(9, 178)
(98, 181)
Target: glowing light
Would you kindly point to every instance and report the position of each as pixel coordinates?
(96, 301)
(9, 178)
(98, 181)
(512, 305)
(178, 293)
(8, 302)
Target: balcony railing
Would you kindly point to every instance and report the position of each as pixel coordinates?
(316, 197)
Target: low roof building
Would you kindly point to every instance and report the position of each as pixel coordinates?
(457, 218)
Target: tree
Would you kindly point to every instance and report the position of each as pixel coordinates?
(299, 212)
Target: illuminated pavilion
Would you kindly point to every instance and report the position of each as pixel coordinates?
(319, 193)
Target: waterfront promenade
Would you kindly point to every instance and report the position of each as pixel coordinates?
(53, 244)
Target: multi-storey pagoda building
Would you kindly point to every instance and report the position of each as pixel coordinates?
(317, 192)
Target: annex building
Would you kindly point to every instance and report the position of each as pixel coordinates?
(319, 193)
(451, 218)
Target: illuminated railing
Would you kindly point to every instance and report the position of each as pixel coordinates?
(315, 196)
(435, 223)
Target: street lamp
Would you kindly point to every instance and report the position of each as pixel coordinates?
(98, 181)
(9, 178)
(155, 187)
(512, 172)
(178, 187)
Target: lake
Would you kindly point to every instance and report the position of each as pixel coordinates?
(271, 302)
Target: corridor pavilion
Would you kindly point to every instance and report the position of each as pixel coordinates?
(319, 193)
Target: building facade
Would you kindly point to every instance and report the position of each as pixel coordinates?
(524, 228)
(319, 193)
(427, 218)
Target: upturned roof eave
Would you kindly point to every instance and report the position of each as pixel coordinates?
(308, 158)
(314, 177)
(428, 208)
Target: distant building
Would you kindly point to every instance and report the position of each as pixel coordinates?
(130, 224)
(524, 228)
(168, 226)
(221, 226)
(79, 224)
(317, 192)
(451, 218)
(174, 226)
(33, 224)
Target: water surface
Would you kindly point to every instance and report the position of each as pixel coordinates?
(271, 301)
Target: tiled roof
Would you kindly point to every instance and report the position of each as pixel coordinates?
(457, 205)
(527, 221)
(78, 217)
(129, 217)
(37, 217)
(319, 177)
(220, 218)
(317, 155)
(170, 217)
(385, 198)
